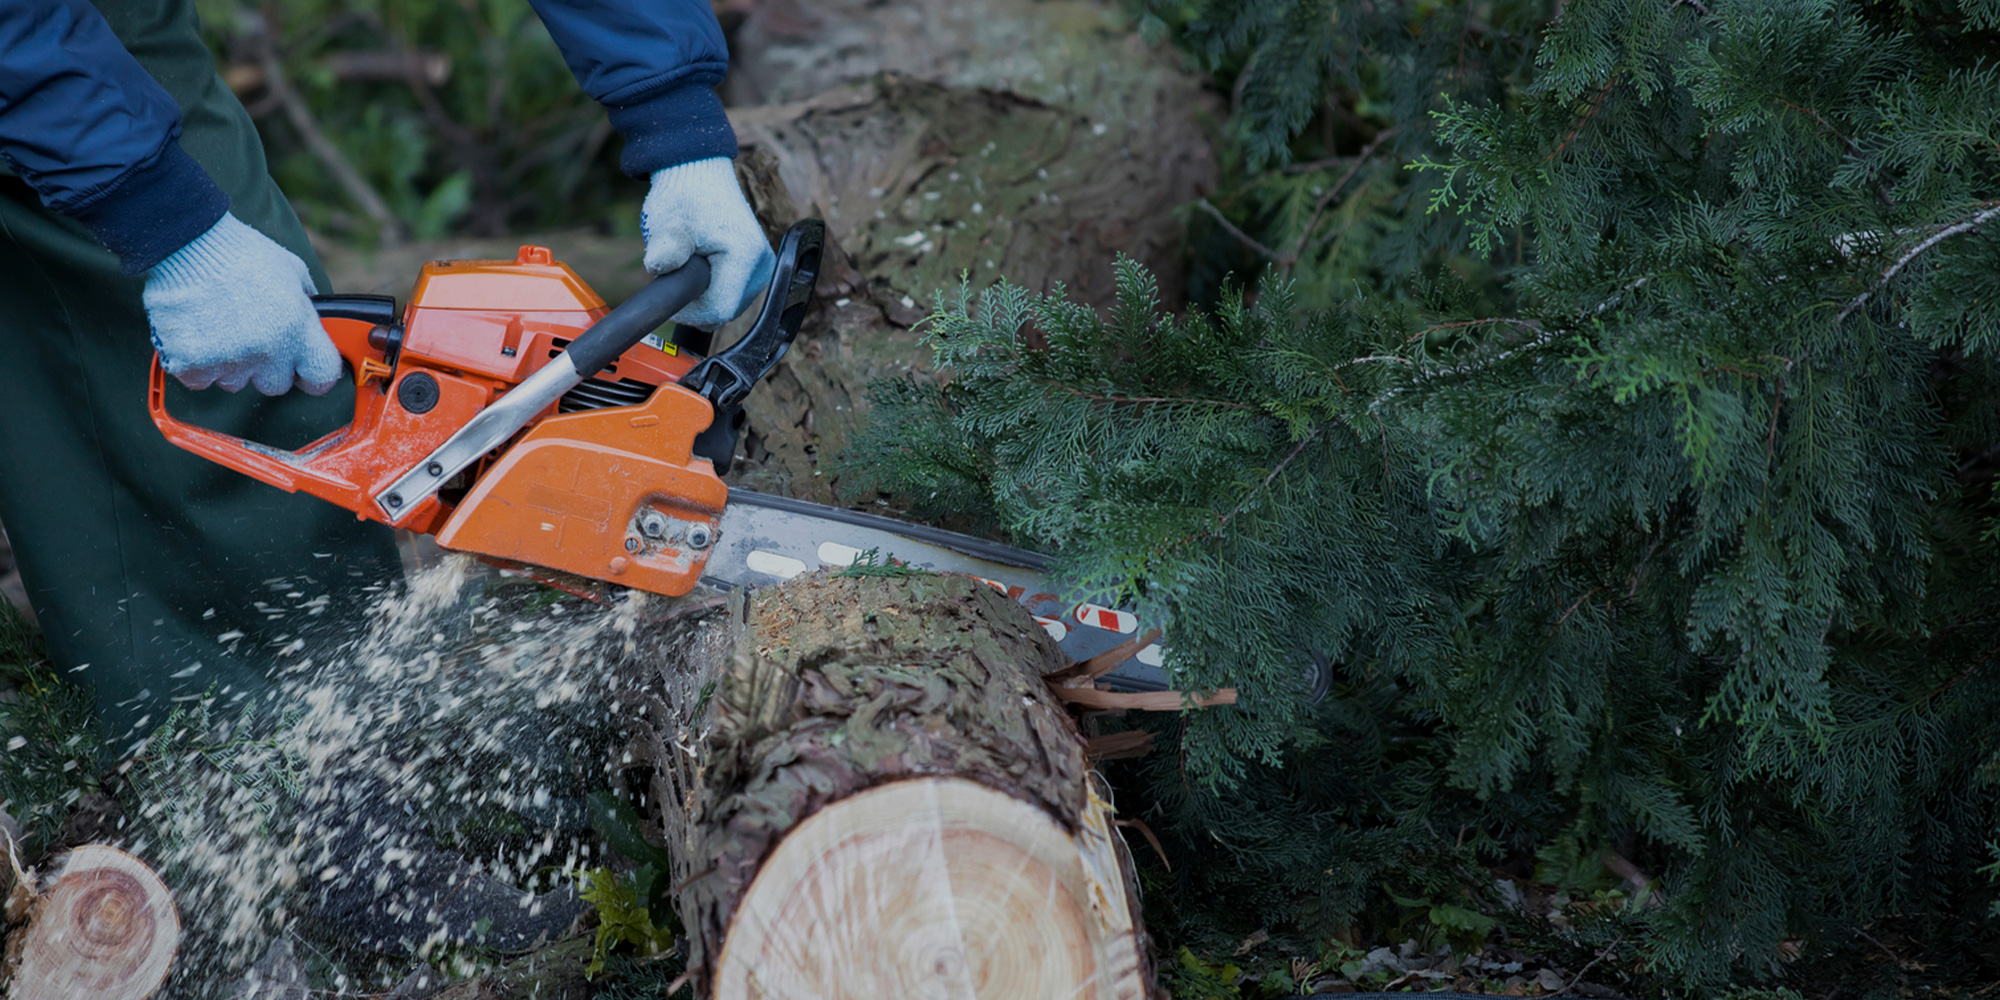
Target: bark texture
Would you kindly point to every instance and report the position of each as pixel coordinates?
(828, 686)
(17, 900)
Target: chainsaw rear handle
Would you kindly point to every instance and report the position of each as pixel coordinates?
(348, 320)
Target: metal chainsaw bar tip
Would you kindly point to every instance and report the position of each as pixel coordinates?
(609, 337)
(767, 539)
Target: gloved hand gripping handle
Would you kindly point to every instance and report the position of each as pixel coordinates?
(723, 380)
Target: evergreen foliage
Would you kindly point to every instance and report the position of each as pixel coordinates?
(1636, 469)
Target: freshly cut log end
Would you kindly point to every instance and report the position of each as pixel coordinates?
(936, 888)
(869, 790)
(106, 928)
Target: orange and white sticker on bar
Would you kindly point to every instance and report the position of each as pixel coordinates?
(1053, 626)
(1108, 619)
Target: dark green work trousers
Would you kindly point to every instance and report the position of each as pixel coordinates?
(157, 575)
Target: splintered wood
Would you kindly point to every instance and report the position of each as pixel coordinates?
(106, 929)
(935, 887)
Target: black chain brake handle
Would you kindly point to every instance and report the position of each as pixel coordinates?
(726, 377)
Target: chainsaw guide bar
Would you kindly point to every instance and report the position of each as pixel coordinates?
(768, 539)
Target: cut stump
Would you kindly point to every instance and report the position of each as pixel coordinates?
(107, 929)
(936, 887)
(869, 790)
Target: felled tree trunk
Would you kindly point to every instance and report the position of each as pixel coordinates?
(947, 140)
(868, 790)
(107, 929)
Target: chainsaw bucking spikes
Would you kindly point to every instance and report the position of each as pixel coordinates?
(511, 414)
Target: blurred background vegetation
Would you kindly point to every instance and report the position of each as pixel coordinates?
(417, 119)
(389, 121)
(392, 121)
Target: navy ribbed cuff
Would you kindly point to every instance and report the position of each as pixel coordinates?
(154, 210)
(679, 125)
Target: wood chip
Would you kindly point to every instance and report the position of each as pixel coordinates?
(1083, 673)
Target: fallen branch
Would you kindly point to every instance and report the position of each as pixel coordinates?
(1870, 938)
(1608, 949)
(1230, 228)
(1083, 673)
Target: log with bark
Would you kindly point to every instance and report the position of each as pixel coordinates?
(925, 184)
(868, 790)
(105, 928)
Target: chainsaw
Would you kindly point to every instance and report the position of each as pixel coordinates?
(507, 411)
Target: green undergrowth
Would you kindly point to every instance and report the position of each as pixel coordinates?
(49, 744)
(623, 919)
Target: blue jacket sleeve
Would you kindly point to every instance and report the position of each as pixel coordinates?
(654, 65)
(96, 136)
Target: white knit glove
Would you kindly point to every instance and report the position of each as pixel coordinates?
(698, 208)
(230, 309)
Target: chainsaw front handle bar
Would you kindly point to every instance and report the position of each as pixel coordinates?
(636, 317)
(585, 356)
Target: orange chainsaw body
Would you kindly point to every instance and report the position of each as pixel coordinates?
(569, 493)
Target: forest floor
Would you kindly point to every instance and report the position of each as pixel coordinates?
(1529, 956)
